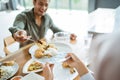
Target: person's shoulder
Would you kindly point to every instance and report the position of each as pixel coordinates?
(26, 11)
(47, 15)
(23, 13)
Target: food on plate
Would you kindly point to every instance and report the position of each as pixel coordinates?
(39, 53)
(51, 51)
(6, 72)
(48, 55)
(8, 63)
(52, 46)
(72, 70)
(43, 44)
(1, 71)
(45, 49)
(35, 66)
(66, 65)
(41, 49)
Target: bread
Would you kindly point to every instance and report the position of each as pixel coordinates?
(72, 70)
(65, 65)
(38, 53)
(42, 42)
(8, 63)
(35, 66)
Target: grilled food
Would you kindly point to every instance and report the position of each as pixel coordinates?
(39, 53)
(35, 66)
(8, 63)
(66, 65)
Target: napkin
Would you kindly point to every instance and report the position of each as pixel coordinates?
(33, 76)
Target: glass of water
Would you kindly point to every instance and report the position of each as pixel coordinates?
(88, 40)
(62, 37)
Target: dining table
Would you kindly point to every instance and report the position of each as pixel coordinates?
(22, 55)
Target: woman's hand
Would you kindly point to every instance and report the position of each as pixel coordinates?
(21, 36)
(48, 71)
(75, 62)
(73, 36)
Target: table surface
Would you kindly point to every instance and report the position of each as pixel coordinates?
(22, 55)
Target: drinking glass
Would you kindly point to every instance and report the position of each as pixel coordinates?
(87, 40)
(62, 37)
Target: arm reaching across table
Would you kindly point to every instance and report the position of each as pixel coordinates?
(75, 62)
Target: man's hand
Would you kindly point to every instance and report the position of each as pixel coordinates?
(21, 36)
(73, 36)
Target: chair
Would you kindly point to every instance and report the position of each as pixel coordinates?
(10, 45)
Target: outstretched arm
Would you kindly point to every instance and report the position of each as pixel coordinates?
(75, 62)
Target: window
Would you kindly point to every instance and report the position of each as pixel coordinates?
(79, 4)
(63, 4)
(28, 4)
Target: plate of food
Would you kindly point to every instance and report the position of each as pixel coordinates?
(43, 49)
(64, 72)
(32, 66)
(8, 69)
(49, 52)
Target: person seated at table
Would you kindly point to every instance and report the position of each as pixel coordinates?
(107, 54)
(34, 23)
(106, 51)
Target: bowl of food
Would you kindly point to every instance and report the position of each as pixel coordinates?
(8, 69)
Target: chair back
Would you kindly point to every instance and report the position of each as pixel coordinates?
(8, 41)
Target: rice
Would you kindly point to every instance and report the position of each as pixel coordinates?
(6, 72)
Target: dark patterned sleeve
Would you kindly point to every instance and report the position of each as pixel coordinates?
(18, 24)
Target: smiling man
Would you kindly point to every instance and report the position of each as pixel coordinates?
(34, 23)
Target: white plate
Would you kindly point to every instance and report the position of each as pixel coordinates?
(27, 64)
(10, 71)
(61, 47)
(61, 73)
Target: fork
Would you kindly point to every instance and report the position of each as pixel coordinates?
(31, 39)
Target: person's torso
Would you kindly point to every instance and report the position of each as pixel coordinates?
(37, 32)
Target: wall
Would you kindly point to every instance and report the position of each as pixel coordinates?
(94, 4)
